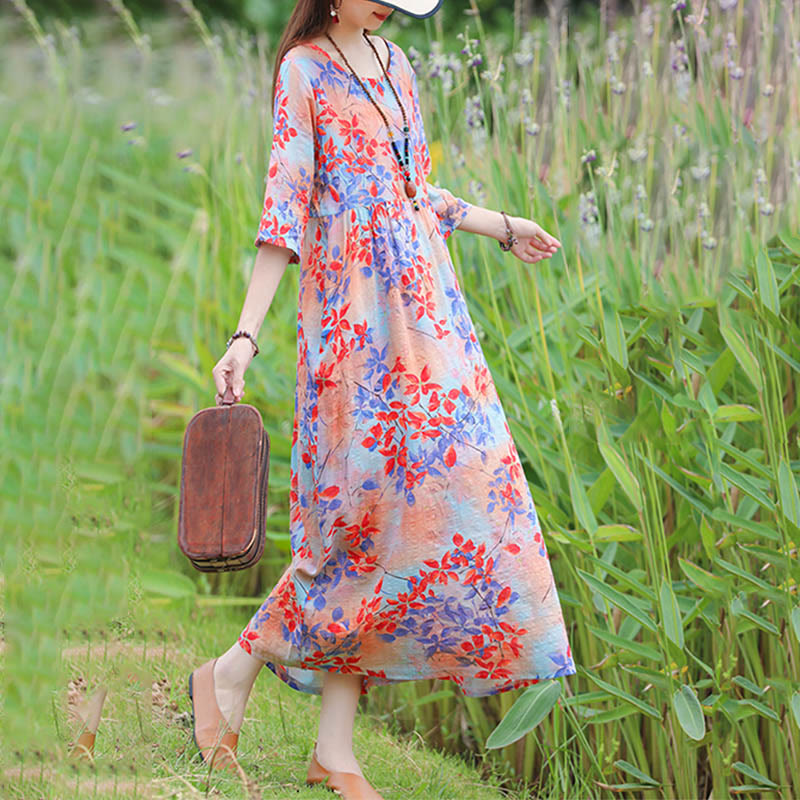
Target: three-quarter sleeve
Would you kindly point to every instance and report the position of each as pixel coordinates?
(449, 208)
(290, 176)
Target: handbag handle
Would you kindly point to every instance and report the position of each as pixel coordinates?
(228, 399)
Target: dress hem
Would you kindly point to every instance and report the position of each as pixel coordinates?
(385, 680)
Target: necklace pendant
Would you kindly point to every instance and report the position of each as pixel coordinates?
(411, 190)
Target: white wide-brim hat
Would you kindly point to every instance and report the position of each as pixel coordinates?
(416, 8)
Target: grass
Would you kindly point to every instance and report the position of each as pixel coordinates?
(144, 745)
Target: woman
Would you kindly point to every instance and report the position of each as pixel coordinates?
(416, 548)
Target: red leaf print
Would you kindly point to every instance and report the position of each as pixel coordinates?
(450, 456)
(426, 373)
(331, 491)
(504, 595)
(513, 548)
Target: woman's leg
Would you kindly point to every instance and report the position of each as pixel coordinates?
(234, 674)
(340, 693)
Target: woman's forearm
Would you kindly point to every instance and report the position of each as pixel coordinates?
(270, 264)
(485, 221)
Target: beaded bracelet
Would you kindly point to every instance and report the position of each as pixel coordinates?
(511, 240)
(243, 333)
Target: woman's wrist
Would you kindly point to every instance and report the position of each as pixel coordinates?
(244, 345)
(500, 232)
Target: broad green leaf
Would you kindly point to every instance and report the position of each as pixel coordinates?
(667, 421)
(526, 713)
(739, 609)
(651, 711)
(739, 521)
(745, 575)
(791, 241)
(670, 613)
(740, 680)
(698, 504)
(740, 459)
(747, 361)
(761, 708)
(610, 715)
(707, 537)
(626, 644)
(580, 503)
(787, 492)
(747, 484)
(771, 555)
(627, 480)
(796, 621)
(753, 775)
(614, 337)
(617, 533)
(625, 787)
(738, 412)
(625, 577)
(626, 766)
(622, 601)
(708, 582)
(795, 703)
(794, 364)
(689, 713)
(706, 399)
(766, 283)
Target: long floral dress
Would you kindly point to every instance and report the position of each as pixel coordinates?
(416, 548)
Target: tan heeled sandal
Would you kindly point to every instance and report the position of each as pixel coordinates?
(88, 712)
(213, 736)
(349, 785)
(83, 749)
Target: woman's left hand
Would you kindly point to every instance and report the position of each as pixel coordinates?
(534, 242)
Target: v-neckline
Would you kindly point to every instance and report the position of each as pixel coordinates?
(339, 66)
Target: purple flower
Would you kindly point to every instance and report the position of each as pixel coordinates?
(128, 126)
(184, 153)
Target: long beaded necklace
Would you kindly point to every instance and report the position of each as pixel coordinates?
(411, 189)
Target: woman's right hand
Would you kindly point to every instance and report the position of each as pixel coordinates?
(229, 370)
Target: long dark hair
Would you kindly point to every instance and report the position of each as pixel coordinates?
(309, 18)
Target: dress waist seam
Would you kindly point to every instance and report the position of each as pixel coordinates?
(392, 204)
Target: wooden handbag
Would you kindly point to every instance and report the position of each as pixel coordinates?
(223, 494)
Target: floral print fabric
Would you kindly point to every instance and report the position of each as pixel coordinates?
(416, 548)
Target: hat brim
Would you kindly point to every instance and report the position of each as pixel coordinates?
(416, 8)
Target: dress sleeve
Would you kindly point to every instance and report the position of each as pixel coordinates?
(450, 209)
(290, 176)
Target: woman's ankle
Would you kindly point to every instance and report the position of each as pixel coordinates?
(237, 669)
